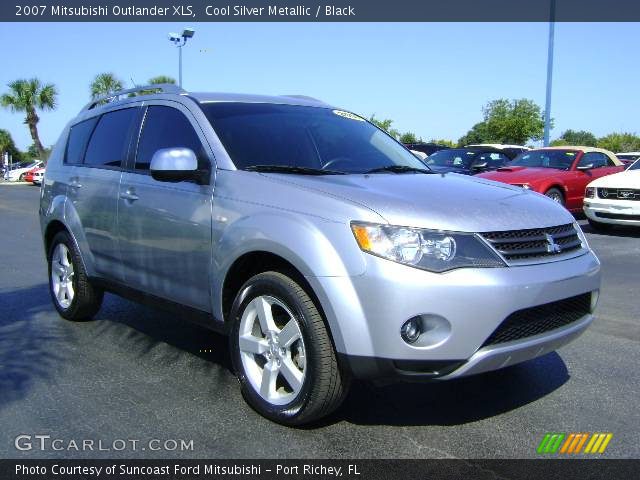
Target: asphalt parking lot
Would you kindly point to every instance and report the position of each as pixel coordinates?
(139, 373)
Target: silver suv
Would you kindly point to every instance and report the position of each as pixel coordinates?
(322, 246)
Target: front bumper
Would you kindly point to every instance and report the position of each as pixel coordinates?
(615, 212)
(365, 314)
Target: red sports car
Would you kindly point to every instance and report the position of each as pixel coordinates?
(560, 173)
(28, 177)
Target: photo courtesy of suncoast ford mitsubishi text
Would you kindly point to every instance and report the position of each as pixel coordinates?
(322, 247)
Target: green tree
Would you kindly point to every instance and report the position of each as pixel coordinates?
(408, 137)
(620, 142)
(28, 96)
(32, 153)
(104, 84)
(162, 79)
(385, 125)
(577, 137)
(443, 141)
(507, 121)
(477, 134)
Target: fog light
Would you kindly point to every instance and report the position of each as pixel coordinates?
(594, 299)
(411, 330)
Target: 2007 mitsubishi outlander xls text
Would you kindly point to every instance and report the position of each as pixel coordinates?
(321, 245)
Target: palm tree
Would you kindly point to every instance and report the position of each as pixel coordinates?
(28, 96)
(162, 79)
(104, 84)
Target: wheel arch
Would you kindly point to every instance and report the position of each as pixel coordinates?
(258, 261)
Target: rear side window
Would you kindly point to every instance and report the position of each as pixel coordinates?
(110, 139)
(78, 139)
(166, 127)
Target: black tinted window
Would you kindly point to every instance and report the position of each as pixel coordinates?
(78, 139)
(108, 144)
(596, 158)
(166, 127)
(299, 136)
(492, 159)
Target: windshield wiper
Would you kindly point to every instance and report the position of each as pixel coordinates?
(399, 169)
(291, 169)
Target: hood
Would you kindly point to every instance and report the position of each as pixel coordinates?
(439, 169)
(625, 179)
(445, 202)
(518, 174)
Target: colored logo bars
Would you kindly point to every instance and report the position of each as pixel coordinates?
(573, 443)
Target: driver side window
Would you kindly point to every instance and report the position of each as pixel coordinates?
(167, 127)
(598, 160)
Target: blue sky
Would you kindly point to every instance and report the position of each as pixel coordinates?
(430, 78)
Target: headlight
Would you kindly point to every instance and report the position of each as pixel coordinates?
(427, 249)
(590, 192)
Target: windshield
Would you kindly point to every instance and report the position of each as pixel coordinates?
(635, 165)
(627, 156)
(455, 157)
(265, 134)
(558, 159)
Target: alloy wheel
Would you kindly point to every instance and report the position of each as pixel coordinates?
(272, 350)
(62, 275)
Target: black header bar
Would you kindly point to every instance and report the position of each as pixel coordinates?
(319, 10)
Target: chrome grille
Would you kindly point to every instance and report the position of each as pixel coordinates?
(619, 193)
(535, 243)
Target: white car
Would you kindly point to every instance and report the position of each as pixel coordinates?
(614, 199)
(17, 174)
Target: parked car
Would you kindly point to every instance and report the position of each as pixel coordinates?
(560, 173)
(419, 155)
(18, 174)
(614, 199)
(317, 242)
(38, 176)
(511, 151)
(467, 160)
(628, 157)
(28, 176)
(427, 148)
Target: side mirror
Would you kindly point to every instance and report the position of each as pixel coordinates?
(588, 166)
(176, 165)
(479, 166)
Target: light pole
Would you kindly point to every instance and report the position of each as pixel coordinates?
(179, 40)
(547, 106)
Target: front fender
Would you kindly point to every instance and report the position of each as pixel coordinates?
(316, 247)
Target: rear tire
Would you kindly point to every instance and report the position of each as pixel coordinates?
(599, 226)
(556, 195)
(21, 179)
(288, 373)
(71, 291)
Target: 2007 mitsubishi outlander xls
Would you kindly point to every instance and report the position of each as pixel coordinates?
(322, 246)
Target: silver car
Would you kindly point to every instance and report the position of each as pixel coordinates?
(322, 246)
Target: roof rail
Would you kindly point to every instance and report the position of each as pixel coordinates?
(303, 97)
(146, 89)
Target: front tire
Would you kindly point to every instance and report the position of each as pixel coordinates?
(556, 195)
(282, 352)
(71, 291)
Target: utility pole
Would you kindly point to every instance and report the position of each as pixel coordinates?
(547, 107)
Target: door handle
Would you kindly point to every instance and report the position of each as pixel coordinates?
(75, 183)
(129, 195)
